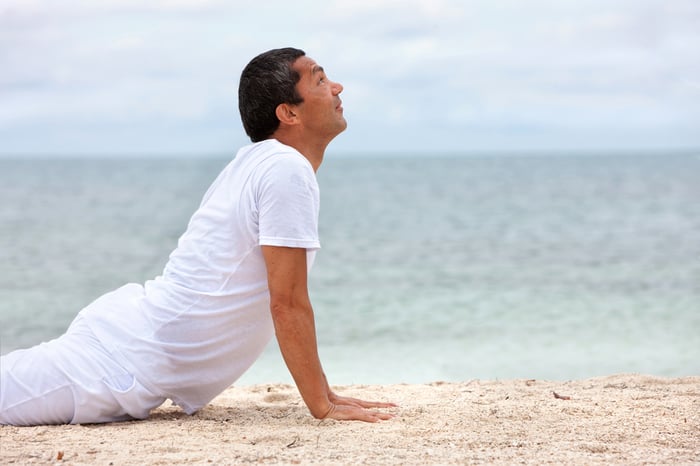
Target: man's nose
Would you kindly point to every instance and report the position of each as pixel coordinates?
(337, 88)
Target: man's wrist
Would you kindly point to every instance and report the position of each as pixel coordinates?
(322, 412)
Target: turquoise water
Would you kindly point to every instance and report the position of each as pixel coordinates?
(432, 268)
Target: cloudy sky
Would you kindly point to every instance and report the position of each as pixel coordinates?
(428, 76)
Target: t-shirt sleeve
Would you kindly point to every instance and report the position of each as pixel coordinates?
(288, 204)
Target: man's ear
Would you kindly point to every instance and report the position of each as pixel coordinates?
(286, 114)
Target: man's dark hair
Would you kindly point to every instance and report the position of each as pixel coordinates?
(267, 81)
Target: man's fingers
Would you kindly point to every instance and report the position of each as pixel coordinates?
(347, 408)
(354, 413)
(377, 404)
(343, 400)
(384, 416)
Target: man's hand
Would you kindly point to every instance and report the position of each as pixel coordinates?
(351, 409)
(293, 318)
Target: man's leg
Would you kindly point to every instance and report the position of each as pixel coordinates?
(33, 390)
(72, 379)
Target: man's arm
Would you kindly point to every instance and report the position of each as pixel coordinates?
(295, 328)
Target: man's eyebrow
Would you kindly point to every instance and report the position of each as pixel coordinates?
(317, 69)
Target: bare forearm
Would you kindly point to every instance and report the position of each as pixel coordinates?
(296, 336)
(293, 318)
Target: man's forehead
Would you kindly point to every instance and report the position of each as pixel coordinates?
(306, 64)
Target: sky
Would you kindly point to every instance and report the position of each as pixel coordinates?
(422, 77)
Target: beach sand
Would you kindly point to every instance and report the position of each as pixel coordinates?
(621, 419)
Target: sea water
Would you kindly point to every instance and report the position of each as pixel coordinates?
(431, 268)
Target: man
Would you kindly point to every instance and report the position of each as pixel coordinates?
(238, 275)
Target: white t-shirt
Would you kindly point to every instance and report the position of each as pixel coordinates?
(190, 333)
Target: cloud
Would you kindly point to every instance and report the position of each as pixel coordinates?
(416, 74)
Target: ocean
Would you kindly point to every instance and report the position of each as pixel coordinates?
(451, 268)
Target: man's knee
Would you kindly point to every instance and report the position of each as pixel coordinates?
(32, 392)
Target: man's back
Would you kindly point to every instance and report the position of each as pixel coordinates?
(193, 331)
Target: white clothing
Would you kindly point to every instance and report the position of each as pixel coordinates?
(190, 333)
(71, 379)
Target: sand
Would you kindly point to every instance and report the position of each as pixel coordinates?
(621, 419)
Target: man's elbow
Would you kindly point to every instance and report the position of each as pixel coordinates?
(285, 309)
(283, 304)
(281, 308)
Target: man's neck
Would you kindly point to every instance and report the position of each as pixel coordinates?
(312, 151)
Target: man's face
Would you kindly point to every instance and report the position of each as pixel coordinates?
(321, 111)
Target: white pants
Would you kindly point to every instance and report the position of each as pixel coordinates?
(72, 379)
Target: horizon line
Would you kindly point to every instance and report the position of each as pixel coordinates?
(413, 153)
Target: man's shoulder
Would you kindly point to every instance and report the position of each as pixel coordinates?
(260, 151)
(276, 156)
